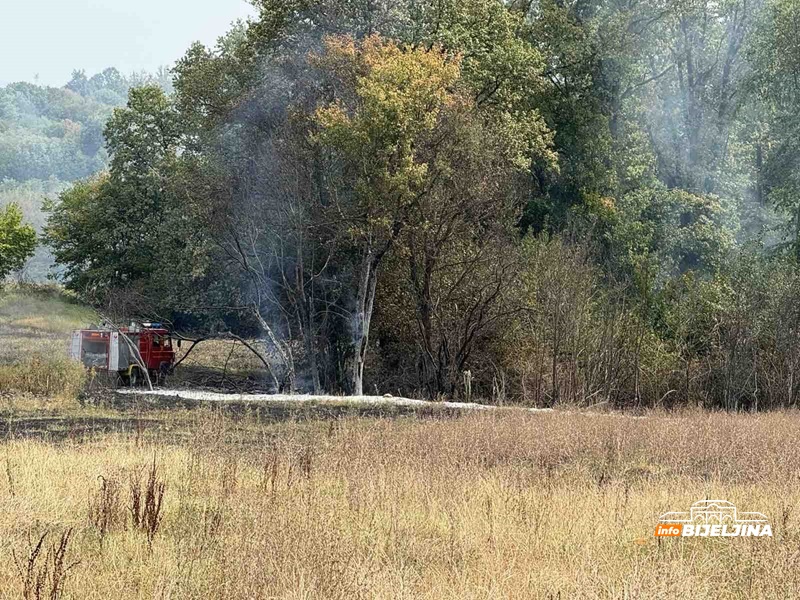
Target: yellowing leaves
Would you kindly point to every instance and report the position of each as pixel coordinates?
(388, 102)
(406, 87)
(400, 124)
(394, 92)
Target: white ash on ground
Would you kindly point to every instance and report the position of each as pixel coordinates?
(320, 399)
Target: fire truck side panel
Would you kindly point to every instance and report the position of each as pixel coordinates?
(105, 349)
(156, 349)
(113, 356)
(75, 346)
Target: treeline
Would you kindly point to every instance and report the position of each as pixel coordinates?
(50, 137)
(57, 133)
(541, 202)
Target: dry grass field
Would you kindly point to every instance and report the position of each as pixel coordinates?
(125, 497)
(559, 505)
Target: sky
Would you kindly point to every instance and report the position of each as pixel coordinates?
(48, 39)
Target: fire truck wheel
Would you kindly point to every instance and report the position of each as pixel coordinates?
(133, 378)
(163, 371)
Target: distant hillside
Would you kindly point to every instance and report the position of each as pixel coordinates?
(52, 136)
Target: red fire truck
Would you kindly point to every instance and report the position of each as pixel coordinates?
(115, 351)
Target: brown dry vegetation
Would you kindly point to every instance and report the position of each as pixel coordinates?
(482, 506)
(218, 363)
(219, 353)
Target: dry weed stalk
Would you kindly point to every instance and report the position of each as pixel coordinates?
(306, 460)
(44, 575)
(105, 508)
(269, 478)
(10, 478)
(147, 504)
(228, 479)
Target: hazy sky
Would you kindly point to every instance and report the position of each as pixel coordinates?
(51, 38)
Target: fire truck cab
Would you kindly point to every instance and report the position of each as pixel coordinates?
(114, 351)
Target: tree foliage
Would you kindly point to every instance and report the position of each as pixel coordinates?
(17, 240)
(550, 201)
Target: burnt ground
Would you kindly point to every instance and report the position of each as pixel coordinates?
(220, 380)
(174, 419)
(268, 412)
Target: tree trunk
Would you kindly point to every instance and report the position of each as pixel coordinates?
(311, 351)
(284, 352)
(308, 332)
(421, 281)
(365, 299)
(305, 302)
(797, 234)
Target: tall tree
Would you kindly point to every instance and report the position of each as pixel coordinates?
(386, 107)
(429, 171)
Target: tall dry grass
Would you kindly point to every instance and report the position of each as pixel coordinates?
(559, 505)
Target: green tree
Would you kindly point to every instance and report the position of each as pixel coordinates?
(388, 106)
(17, 240)
(433, 174)
(109, 231)
(123, 237)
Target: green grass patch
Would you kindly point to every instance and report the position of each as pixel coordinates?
(35, 327)
(43, 309)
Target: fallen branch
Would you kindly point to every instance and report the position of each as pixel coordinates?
(194, 343)
(235, 338)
